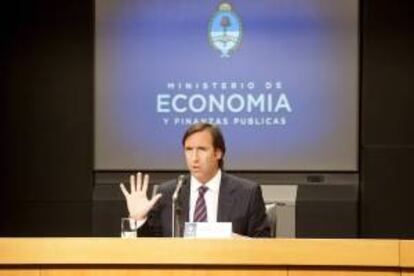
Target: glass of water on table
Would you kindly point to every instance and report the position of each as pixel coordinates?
(129, 228)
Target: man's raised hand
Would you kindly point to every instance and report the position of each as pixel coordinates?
(137, 202)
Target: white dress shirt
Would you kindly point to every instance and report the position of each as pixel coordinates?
(211, 196)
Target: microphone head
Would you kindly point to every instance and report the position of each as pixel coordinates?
(180, 182)
(181, 179)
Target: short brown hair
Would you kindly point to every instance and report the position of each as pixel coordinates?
(218, 139)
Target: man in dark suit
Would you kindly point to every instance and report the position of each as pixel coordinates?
(210, 194)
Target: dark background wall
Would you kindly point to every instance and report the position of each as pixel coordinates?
(387, 130)
(47, 118)
(47, 114)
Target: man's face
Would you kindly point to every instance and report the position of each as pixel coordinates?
(201, 157)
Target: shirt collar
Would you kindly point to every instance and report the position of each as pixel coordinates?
(213, 185)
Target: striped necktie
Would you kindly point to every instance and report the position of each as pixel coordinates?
(200, 212)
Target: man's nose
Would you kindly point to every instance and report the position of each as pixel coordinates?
(194, 155)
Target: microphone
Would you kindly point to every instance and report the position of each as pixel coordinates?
(180, 182)
(177, 218)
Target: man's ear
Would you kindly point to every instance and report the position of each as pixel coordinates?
(218, 153)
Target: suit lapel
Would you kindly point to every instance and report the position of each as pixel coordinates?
(225, 201)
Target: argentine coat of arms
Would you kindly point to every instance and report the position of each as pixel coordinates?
(225, 30)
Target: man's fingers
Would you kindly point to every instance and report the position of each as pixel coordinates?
(132, 183)
(139, 182)
(145, 184)
(124, 191)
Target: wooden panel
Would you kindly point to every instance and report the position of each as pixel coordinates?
(348, 252)
(19, 272)
(200, 271)
(407, 272)
(343, 272)
(407, 253)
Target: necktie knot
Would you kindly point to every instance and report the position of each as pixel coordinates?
(202, 190)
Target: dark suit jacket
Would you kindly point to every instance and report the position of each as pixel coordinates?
(240, 202)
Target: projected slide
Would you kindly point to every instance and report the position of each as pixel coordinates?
(280, 78)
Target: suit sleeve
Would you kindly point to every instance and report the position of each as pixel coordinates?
(152, 227)
(258, 224)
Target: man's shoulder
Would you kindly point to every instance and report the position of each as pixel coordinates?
(239, 182)
(227, 178)
(168, 185)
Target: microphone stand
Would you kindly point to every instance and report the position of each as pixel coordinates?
(177, 218)
(177, 209)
